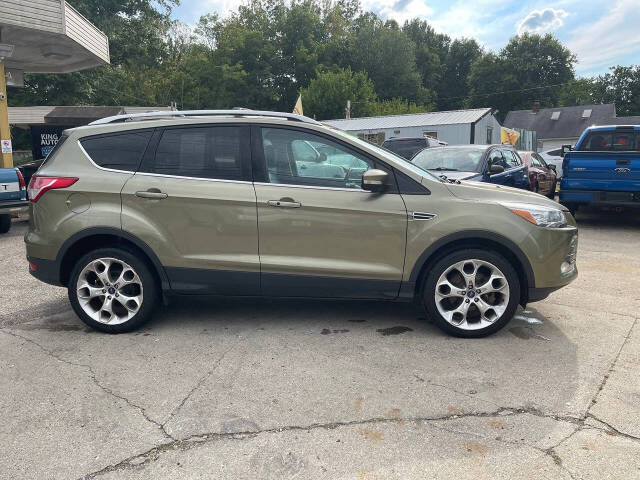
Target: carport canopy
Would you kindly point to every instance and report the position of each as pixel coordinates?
(43, 36)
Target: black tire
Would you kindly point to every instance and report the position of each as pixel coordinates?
(5, 223)
(552, 193)
(572, 207)
(439, 268)
(150, 290)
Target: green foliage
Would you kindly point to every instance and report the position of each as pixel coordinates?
(514, 77)
(397, 106)
(327, 94)
(268, 51)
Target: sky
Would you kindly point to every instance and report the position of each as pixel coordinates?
(601, 33)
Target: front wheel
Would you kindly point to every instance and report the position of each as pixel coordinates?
(471, 293)
(113, 290)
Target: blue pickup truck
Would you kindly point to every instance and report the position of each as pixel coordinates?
(603, 168)
(13, 196)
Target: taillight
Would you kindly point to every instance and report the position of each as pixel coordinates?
(39, 185)
(20, 179)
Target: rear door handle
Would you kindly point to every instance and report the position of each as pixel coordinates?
(152, 193)
(284, 203)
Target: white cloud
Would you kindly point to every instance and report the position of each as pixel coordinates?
(545, 20)
(608, 40)
(400, 10)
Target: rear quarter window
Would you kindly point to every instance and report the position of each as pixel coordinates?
(118, 151)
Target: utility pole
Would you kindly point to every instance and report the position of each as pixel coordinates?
(6, 156)
(348, 110)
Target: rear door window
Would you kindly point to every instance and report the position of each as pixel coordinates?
(121, 151)
(216, 152)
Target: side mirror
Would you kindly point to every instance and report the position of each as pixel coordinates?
(495, 168)
(551, 166)
(565, 149)
(374, 180)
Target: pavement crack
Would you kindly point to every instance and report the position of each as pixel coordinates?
(94, 379)
(611, 430)
(609, 371)
(198, 384)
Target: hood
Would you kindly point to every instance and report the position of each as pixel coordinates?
(499, 193)
(454, 175)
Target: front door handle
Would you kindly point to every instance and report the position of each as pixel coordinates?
(284, 203)
(152, 193)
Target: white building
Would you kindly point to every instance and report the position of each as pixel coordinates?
(456, 127)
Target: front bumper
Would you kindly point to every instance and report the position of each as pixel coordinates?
(14, 207)
(600, 197)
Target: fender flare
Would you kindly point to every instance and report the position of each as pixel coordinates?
(89, 232)
(473, 235)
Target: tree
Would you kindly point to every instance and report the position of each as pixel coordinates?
(327, 94)
(431, 50)
(454, 84)
(620, 86)
(388, 56)
(529, 67)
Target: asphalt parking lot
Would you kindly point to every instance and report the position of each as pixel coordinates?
(257, 389)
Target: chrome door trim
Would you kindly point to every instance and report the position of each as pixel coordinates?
(312, 187)
(182, 177)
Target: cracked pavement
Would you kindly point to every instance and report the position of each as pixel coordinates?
(262, 389)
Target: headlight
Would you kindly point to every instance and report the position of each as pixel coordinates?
(538, 215)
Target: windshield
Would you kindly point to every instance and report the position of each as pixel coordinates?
(449, 159)
(387, 154)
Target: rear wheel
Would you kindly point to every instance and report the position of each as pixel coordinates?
(471, 293)
(5, 223)
(112, 290)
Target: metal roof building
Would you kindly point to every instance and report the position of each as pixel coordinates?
(564, 125)
(456, 127)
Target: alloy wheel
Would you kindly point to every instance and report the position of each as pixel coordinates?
(109, 291)
(472, 294)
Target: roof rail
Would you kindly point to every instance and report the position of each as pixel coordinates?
(203, 113)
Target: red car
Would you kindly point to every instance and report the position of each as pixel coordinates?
(542, 176)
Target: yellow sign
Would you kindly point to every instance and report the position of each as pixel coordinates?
(298, 108)
(508, 135)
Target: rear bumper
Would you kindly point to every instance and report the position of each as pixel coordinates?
(47, 271)
(14, 207)
(600, 197)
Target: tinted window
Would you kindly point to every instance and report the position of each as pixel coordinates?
(624, 141)
(121, 151)
(512, 159)
(449, 159)
(201, 152)
(299, 158)
(597, 141)
(555, 153)
(406, 148)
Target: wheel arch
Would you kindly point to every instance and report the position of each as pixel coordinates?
(99, 237)
(475, 239)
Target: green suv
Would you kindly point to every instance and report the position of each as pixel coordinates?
(132, 209)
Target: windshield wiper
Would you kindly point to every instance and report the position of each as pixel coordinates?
(443, 169)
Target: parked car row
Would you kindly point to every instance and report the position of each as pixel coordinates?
(498, 164)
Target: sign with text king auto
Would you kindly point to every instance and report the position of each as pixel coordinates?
(44, 138)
